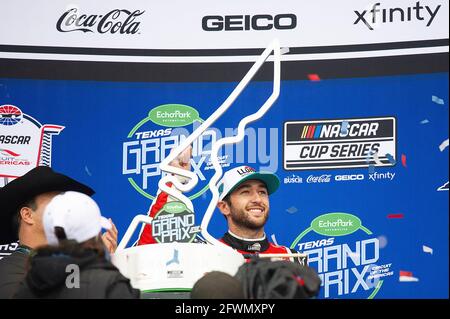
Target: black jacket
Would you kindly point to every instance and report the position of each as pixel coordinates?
(54, 275)
(12, 271)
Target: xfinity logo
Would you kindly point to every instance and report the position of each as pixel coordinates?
(115, 21)
(388, 15)
(259, 22)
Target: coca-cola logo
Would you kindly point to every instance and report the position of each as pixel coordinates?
(318, 179)
(116, 21)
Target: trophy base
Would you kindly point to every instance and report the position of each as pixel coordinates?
(173, 268)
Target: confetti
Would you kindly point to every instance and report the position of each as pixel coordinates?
(313, 77)
(377, 160)
(404, 160)
(353, 255)
(284, 50)
(391, 159)
(443, 145)
(437, 100)
(407, 276)
(443, 187)
(395, 216)
(292, 210)
(87, 171)
(427, 249)
(274, 240)
(382, 241)
(368, 161)
(344, 128)
(424, 121)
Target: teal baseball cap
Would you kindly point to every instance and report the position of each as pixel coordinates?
(236, 176)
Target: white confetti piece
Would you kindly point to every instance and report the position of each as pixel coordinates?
(437, 100)
(408, 279)
(284, 50)
(407, 276)
(443, 145)
(443, 187)
(377, 160)
(274, 240)
(424, 121)
(87, 171)
(427, 249)
(382, 241)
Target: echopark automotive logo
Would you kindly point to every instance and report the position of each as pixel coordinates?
(116, 21)
(377, 14)
(258, 22)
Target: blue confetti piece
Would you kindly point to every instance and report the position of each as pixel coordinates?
(424, 121)
(344, 128)
(391, 159)
(87, 171)
(292, 210)
(368, 161)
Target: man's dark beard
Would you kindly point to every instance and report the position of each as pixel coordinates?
(241, 219)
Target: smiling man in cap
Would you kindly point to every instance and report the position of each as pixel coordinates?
(244, 201)
(23, 203)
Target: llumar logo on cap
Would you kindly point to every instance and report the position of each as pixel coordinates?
(245, 170)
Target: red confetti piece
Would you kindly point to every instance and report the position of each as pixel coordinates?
(313, 77)
(406, 273)
(395, 216)
(404, 160)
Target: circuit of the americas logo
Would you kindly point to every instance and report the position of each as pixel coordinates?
(24, 142)
(339, 143)
(174, 223)
(345, 254)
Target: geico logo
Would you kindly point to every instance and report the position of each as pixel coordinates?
(258, 22)
(358, 177)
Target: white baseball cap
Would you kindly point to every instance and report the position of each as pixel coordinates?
(77, 213)
(236, 176)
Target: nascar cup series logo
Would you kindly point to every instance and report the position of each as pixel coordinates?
(346, 256)
(24, 142)
(174, 223)
(339, 143)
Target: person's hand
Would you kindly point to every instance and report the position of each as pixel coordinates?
(183, 160)
(110, 238)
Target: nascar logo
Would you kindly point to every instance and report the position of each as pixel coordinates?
(339, 143)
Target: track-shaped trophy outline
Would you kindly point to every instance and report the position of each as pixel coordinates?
(192, 178)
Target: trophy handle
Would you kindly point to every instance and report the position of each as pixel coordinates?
(132, 228)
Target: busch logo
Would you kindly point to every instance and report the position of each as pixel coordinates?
(115, 21)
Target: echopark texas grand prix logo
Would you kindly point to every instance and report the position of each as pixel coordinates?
(24, 142)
